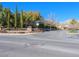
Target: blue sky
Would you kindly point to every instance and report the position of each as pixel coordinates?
(61, 10)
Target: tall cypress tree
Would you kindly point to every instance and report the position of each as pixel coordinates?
(8, 19)
(21, 19)
(16, 15)
(1, 14)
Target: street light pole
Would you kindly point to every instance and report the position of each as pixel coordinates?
(37, 24)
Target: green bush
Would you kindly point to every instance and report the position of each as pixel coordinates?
(73, 31)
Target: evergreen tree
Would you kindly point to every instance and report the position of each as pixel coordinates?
(21, 19)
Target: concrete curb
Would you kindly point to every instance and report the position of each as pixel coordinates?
(17, 33)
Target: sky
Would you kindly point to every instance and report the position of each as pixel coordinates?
(60, 11)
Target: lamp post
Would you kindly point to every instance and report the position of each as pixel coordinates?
(37, 24)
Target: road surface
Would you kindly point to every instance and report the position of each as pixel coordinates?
(47, 44)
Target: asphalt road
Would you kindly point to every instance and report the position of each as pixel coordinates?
(47, 44)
